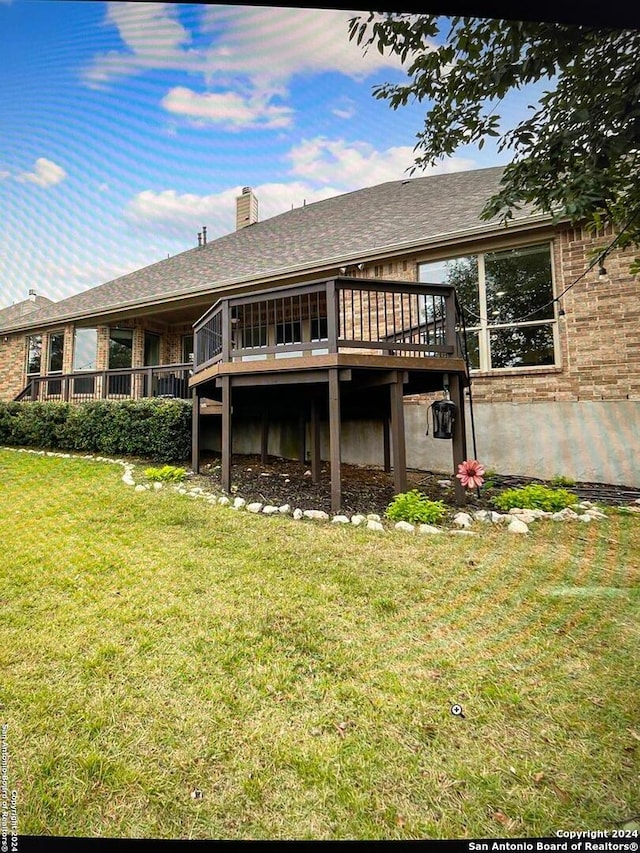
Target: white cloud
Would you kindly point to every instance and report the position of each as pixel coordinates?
(251, 55)
(264, 44)
(321, 168)
(153, 38)
(229, 108)
(179, 213)
(359, 164)
(346, 109)
(45, 174)
(273, 44)
(3, 174)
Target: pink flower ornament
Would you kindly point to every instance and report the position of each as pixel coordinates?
(470, 473)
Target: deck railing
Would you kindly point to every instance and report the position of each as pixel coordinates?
(166, 380)
(330, 316)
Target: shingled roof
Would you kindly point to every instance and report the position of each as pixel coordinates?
(361, 225)
(19, 310)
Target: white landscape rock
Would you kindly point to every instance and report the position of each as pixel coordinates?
(585, 517)
(158, 486)
(297, 514)
(340, 519)
(462, 519)
(254, 507)
(358, 519)
(594, 512)
(223, 500)
(284, 509)
(517, 526)
(428, 529)
(405, 526)
(316, 514)
(372, 524)
(238, 503)
(269, 509)
(140, 488)
(564, 514)
(373, 516)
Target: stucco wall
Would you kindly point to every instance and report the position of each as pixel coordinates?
(590, 440)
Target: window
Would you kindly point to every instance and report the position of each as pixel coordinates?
(507, 298)
(120, 358)
(151, 349)
(187, 349)
(289, 332)
(85, 349)
(34, 354)
(254, 336)
(319, 329)
(56, 352)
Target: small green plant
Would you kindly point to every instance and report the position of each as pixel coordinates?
(535, 496)
(166, 474)
(560, 480)
(489, 481)
(414, 507)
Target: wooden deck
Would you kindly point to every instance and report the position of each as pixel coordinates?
(329, 351)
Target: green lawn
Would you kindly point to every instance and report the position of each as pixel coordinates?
(300, 675)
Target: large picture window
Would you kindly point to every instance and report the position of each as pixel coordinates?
(507, 297)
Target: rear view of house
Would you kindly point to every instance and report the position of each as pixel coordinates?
(354, 299)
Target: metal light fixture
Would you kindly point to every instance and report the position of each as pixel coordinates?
(443, 413)
(444, 416)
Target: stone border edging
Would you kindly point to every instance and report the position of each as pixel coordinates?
(516, 521)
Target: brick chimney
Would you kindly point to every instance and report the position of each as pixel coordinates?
(246, 208)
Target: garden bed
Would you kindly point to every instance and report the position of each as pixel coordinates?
(369, 489)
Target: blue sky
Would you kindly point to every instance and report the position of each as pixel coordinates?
(126, 127)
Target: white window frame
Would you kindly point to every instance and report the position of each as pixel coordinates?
(55, 334)
(34, 372)
(483, 328)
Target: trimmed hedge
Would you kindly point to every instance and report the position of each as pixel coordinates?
(159, 430)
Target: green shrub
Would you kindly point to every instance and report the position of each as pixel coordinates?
(559, 480)
(535, 496)
(153, 429)
(414, 507)
(166, 474)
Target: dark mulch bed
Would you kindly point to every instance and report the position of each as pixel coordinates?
(366, 489)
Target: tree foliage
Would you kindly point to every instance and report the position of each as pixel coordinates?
(576, 155)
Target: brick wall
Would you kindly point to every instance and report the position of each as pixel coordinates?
(599, 334)
(13, 354)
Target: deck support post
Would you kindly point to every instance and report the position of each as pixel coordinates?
(315, 441)
(226, 433)
(459, 441)
(302, 439)
(386, 445)
(195, 433)
(334, 439)
(397, 436)
(264, 438)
